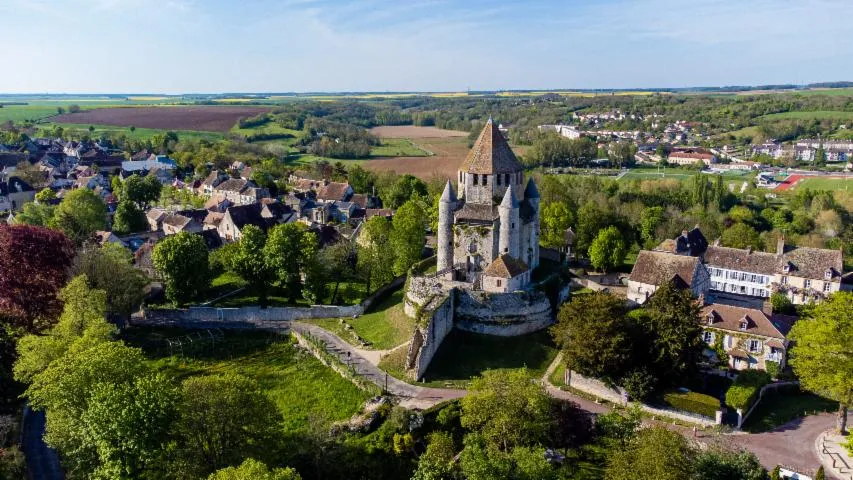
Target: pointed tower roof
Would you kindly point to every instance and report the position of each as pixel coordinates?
(490, 153)
(531, 191)
(509, 200)
(448, 195)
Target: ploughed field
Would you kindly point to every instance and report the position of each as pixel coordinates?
(201, 118)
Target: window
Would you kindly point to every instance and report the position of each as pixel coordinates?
(708, 337)
(785, 280)
(786, 268)
(506, 179)
(754, 346)
(498, 179)
(460, 175)
(498, 283)
(827, 287)
(828, 274)
(710, 319)
(485, 180)
(475, 179)
(744, 324)
(808, 283)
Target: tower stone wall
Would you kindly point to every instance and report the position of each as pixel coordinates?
(509, 225)
(445, 229)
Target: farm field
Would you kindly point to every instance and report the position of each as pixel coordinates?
(141, 133)
(411, 131)
(201, 118)
(448, 154)
(304, 390)
(398, 147)
(22, 113)
(817, 115)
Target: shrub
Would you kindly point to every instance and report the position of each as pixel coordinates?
(693, 402)
(772, 368)
(639, 384)
(744, 390)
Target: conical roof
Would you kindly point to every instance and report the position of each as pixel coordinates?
(509, 200)
(531, 191)
(448, 195)
(491, 154)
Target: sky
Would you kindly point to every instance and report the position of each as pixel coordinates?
(214, 46)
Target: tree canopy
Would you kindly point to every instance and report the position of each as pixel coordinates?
(182, 260)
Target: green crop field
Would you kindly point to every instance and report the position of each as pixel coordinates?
(139, 133)
(837, 92)
(23, 113)
(303, 389)
(817, 115)
(397, 147)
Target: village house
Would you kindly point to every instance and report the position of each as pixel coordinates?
(751, 338)
(237, 217)
(211, 182)
(149, 163)
(334, 192)
(176, 223)
(14, 193)
(652, 269)
(505, 274)
(155, 218)
(240, 191)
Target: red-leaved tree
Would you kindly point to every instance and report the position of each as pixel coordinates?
(34, 263)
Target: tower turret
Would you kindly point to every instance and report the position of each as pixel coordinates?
(445, 228)
(508, 240)
(531, 195)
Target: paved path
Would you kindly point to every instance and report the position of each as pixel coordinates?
(42, 461)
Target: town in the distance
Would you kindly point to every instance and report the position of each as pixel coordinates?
(477, 285)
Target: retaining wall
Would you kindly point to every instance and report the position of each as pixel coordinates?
(194, 316)
(427, 338)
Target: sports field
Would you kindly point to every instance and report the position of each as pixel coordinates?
(800, 182)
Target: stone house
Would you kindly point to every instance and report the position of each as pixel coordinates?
(505, 274)
(334, 192)
(155, 218)
(176, 223)
(14, 193)
(653, 269)
(750, 337)
(237, 217)
(240, 191)
(691, 157)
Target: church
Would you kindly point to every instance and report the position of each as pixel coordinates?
(488, 234)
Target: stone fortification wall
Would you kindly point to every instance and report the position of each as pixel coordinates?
(199, 316)
(436, 322)
(503, 314)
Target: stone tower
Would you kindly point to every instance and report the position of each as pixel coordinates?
(508, 239)
(531, 195)
(444, 242)
(489, 169)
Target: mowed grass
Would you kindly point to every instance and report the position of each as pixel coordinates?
(303, 389)
(823, 184)
(140, 133)
(816, 115)
(397, 147)
(384, 328)
(463, 356)
(778, 409)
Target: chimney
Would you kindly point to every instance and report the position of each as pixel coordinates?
(767, 308)
(780, 244)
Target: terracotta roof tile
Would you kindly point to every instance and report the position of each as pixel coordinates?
(491, 154)
(656, 268)
(729, 317)
(505, 267)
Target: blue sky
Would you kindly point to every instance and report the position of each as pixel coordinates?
(180, 46)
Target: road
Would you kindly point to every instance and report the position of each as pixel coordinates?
(42, 461)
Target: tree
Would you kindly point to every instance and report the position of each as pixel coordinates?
(822, 356)
(404, 188)
(315, 272)
(437, 462)
(128, 426)
(249, 261)
(45, 195)
(654, 452)
(33, 267)
(723, 464)
(594, 335)
(591, 219)
(507, 408)
(555, 218)
(360, 180)
(741, 235)
(80, 214)
(608, 250)
(781, 303)
(110, 268)
(820, 475)
(283, 252)
(407, 236)
(35, 213)
(129, 219)
(618, 429)
(182, 260)
(375, 259)
(650, 218)
(252, 469)
(223, 420)
(671, 321)
(141, 190)
(73, 108)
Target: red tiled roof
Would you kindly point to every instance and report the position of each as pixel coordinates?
(491, 154)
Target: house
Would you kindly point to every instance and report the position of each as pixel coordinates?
(211, 182)
(805, 150)
(771, 148)
(212, 221)
(155, 218)
(217, 203)
(652, 269)
(240, 191)
(381, 212)
(342, 211)
(741, 271)
(691, 242)
(175, 223)
(363, 201)
(14, 193)
(103, 238)
(691, 157)
(238, 217)
(505, 274)
(752, 338)
(277, 211)
(334, 192)
(149, 163)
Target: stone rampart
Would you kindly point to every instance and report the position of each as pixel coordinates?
(196, 316)
(436, 323)
(503, 314)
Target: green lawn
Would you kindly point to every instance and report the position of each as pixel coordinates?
(21, 113)
(303, 389)
(816, 115)
(384, 328)
(464, 355)
(397, 147)
(824, 184)
(780, 408)
(140, 133)
(276, 296)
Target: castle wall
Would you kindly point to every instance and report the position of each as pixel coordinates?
(483, 235)
(435, 321)
(502, 314)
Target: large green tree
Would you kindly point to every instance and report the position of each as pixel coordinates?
(508, 408)
(608, 250)
(407, 236)
(182, 261)
(250, 262)
(141, 190)
(437, 462)
(595, 336)
(80, 214)
(110, 268)
(375, 259)
(252, 469)
(283, 252)
(129, 218)
(741, 235)
(555, 219)
(823, 352)
(654, 452)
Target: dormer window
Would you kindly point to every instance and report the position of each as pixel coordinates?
(711, 318)
(786, 268)
(827, 274)
(744, 324)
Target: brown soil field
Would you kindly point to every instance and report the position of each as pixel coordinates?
(410, 131)
(449, 154)
(201, 118)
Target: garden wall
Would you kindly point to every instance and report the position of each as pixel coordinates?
(197, 316)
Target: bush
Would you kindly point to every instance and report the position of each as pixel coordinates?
(744, 390)
(639, 384)
(772, 368)
(693, 402)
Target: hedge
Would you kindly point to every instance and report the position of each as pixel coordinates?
(693, 402)
(745, 388)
